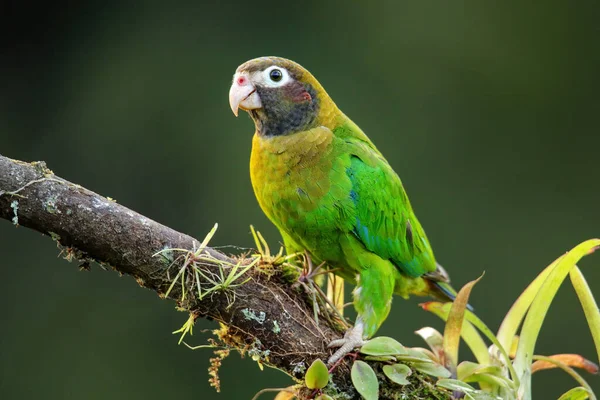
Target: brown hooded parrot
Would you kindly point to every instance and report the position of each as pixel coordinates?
(330, 192)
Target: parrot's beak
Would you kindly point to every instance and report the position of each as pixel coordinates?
(243, 94)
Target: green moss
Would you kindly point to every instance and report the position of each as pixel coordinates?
(335, 392)
(421, 387)
(290, 273)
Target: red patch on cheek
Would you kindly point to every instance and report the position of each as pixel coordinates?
(306, 96)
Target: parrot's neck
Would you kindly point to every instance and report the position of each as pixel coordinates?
(291, 118)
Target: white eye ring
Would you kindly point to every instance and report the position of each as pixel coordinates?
(268, 81)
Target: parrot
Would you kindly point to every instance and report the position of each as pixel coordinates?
(330, 192)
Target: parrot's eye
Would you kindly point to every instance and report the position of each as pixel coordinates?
(275, 75)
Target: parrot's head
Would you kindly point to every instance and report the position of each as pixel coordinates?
(280, 96)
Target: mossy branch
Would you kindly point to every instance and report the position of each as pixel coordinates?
(93, 228)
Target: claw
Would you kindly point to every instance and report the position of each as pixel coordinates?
(352, 339)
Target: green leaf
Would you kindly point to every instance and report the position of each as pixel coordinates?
(416, 354)
(433, 338)
(577, 393)
(465, 369)
(492, 380)
(455, 385)
(365, 380)
(481, 395)
(382, 346)
(324, 397)
(397, 373)
(469, 334)
(381, 358)
(454, 326)
(590, 308)
(317, 375)
(479, 324)
(472, 337)
(514, 316)
(432, 369)
(538, 309)
(490, 374)
(559, 362)
(471, 393)
(468, 371)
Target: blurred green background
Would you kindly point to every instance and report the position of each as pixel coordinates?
(487, 110)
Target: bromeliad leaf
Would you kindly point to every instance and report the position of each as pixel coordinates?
(456, 385)
(382, 346)
(469, 334)
(364, 380)
(433, 338)
(497, 381)
(572, 360)
(469, 391)
(590, 308)
(539, 307)
(466, 369)
(454, 326)
(479, 395)
(569, 370)
(578, 393)
(397, 373)
(514, 316)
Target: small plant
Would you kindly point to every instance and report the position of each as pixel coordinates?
(190, 271)
(188, 275)
(501, 372)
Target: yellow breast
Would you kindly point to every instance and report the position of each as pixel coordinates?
(288, 171)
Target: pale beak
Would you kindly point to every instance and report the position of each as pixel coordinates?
(243, 94)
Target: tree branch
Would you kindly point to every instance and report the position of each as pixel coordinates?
(93, 228)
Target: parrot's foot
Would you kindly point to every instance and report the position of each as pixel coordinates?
(352, 339)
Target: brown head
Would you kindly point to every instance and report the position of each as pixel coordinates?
(280, 95)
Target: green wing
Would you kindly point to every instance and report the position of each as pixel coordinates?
(384, 220)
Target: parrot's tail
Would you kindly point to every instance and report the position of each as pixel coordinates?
(440, 285)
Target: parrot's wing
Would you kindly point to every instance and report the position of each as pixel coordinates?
(384, 220)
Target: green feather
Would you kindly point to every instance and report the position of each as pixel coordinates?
(384, 220)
